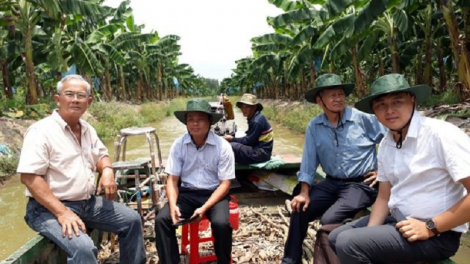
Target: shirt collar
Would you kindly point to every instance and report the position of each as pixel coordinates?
(413, 129)
(414, 125)
(347, 116)
(63, 124)
(210, 139)
(253, 116)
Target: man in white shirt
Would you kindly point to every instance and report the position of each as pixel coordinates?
(60, 156)
(203, 163)
(424, 173)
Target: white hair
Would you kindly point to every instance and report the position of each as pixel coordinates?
(67, 78)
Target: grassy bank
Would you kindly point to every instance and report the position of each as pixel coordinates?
(109, 118)
(294, 115)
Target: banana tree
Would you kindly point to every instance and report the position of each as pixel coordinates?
(460, 53)
(26, 14)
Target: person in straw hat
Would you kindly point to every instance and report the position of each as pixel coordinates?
(343, 141)
(257, 145)
(200, 167)
(424, 175)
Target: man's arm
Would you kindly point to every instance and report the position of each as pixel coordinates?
(107, 181)
(308, 168)
(458, 214)
(216, 196)
(172, 195)
(252, 136)
(380, 208)
(41, 192)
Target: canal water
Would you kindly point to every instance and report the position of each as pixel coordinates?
(15, 232)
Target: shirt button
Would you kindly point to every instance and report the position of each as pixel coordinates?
(339, 168)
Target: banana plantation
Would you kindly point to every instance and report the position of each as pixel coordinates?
(426, 40)
(41, 39)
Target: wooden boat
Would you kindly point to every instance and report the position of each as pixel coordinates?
(40, 250)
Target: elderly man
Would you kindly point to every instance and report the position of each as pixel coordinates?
(200, 167)
(59, 158)
(343, 141)
(424, 173)
(257, 145)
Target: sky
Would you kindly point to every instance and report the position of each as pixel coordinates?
(214, 33)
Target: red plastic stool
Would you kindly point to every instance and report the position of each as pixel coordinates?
(190, 236)
(192, 239)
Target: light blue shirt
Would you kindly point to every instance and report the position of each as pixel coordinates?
(343, 152)
(203, 168)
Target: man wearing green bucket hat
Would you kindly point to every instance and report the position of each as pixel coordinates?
(257, 145)
(424, 172)
(343, 141)
(200, 167)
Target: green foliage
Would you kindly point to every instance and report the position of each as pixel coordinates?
(448, 97)
(151, 112)
(294, 116)
(176, 104)
(111, 117)
(8, 165)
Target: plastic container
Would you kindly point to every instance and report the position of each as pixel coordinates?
(234, 212)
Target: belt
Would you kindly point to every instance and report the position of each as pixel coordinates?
(354, 179)
(64, 201)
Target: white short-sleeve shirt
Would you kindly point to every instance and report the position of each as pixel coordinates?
(425, 172)
(51, 150)
(203, 168)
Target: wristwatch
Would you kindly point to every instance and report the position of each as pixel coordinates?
(431, 225)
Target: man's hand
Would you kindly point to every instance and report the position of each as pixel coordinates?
(70, 222)
(108, 184)
(175, 214)
(229, 138)
(371, 177)
(298, 201)
(414, 230)
(198, 214)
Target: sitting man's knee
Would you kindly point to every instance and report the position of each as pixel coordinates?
(82, 247)
(328, 219)
(220, 225)
(342, 241)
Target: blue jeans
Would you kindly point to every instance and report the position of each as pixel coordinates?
(97, 213)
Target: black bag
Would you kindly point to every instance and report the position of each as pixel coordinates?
(322, 252)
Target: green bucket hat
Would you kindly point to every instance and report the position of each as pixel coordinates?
(197, 105)
(326, 81)
(392, 83)
(250, 99)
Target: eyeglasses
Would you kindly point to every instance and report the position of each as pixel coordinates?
(71, 95)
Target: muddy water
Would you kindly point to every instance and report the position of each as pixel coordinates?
(169, 129)
(15, 232)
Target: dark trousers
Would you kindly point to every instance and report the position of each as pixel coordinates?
(248, 155)
(333, 201)
(188, 201)
(357, 244)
